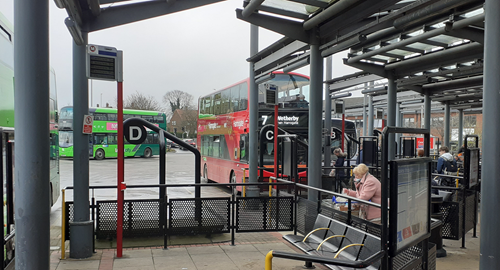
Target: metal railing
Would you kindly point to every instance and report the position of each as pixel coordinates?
(164, 202)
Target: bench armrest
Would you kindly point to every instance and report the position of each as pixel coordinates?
(313, 231)
(348, 246)
(333, 236)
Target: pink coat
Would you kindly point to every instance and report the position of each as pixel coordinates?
(369, 189)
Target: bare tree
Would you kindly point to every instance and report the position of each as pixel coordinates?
(177, 99)
(138, 101)
(190, 122)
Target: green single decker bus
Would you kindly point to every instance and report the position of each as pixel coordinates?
(103, 142)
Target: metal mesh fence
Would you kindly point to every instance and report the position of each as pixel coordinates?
(214, 216)
(69, 218)
(141, 218)
(264, 214)
(453, 215)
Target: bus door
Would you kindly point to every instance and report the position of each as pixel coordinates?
(91, 145)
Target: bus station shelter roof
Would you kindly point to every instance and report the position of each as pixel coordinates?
(427, 46)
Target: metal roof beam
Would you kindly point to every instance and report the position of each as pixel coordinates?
(104, 2)
(469, 33)
(251, 7)
(95, 7)
(288, 28)
(337, 86)
(330, 12)
(280, 54)
(374, 69)
(433, 60)
(284, 12)
(74, 11)
(454, 84)
(124, 14)
(282, 42)
(315, 3)
(420, 38)
(357, 11)
(429, 13)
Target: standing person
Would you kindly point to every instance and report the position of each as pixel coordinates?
(359, 159)
(444, 158)
(339, 163)
(368, 188)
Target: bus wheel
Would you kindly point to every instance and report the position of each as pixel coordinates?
(232, 180)
(99, 154)
(204, 178)
(148, 153)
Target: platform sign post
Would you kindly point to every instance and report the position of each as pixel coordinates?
(106, 63)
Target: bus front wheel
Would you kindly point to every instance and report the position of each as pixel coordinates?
(99, 154)
(148, 153)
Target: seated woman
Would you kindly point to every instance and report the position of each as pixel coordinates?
(368, 188)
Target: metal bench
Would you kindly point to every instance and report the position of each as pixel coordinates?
(333, 239)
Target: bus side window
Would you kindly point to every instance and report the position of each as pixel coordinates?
(235, 98)
(217, 104)
(243, 96)
(112, 117)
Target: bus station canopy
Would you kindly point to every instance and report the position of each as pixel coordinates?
(428, 46)
(95, 15)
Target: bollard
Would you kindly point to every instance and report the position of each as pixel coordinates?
(244, 187)
(63, 226)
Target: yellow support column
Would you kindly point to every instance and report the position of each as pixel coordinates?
(269, 260)
(244, 181)
(63, 226)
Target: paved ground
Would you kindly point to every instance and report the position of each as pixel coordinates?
(248, 253)
(196, 253)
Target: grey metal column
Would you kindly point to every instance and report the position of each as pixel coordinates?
(427, 112)
(391, 114)
(370, 115)
(365, 126)
(447, 115)
(81, 228)
(460, 128)
(398, 124)
(490, 235)
(31, 103)
(328, 114)
(254, 116)
(315, 119)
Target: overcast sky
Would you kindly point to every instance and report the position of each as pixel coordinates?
(196, 51)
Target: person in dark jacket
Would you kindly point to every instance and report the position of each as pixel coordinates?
(444, 156)
(339, 163)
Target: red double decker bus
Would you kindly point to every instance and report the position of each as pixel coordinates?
(223, 124)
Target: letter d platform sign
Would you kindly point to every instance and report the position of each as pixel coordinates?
(135, 134)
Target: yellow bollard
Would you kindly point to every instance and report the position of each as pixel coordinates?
(244, 187)
(63, 239)
(269, 260)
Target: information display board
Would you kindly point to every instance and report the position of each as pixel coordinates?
(472, 172)
(410, 200)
